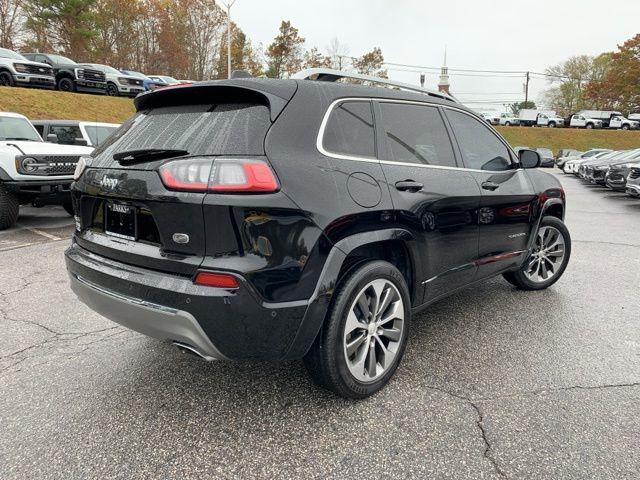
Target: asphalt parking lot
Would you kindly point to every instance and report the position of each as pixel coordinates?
(496, 383)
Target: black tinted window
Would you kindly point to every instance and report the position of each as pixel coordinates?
(67, 134)
(233, 129)
(480, 148)
(416, 134)
(349, 130)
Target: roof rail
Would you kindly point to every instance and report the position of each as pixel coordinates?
(330, 75)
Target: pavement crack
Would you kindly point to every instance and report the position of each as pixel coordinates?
(488, 453)
(488, 450)
(547, 390)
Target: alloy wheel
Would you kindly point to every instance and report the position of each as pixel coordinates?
(373, 330)
(547, 256)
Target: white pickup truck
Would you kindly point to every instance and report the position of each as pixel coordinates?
(540, 118)
(622, 123)
(581, 121)
(32, 171)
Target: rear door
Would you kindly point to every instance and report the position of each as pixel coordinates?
(432, 197)
(506, 210)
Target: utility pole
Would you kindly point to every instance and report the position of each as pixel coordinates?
(526, 89)
(229, 4)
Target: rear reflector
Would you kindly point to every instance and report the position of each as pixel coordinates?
(220, 280)
(224, 175)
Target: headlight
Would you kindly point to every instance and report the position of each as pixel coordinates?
(123, 81)
(21, 67)
(29, 164)
(79, 73)
(83, 163)
(602, 167)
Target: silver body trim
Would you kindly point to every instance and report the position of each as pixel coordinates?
(153, 320)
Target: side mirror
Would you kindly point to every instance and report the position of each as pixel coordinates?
(52, 138)
(529, 158)
(81, 141)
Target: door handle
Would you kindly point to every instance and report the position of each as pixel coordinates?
(490, 186)
(409, 186)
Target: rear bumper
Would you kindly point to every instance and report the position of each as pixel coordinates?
(148, 318)
(215, 322)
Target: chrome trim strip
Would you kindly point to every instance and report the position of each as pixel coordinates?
(354, 158)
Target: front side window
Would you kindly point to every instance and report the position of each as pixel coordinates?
(416, 134)
(481, 149)
(66, 134)
(349, 130)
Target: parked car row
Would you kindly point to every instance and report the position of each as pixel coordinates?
(588, 119)
(618, 170)
(38, 172)
(50, 71)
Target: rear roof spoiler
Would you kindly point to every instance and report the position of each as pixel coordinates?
(274, 94)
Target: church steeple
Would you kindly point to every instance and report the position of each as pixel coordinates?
(443, 84)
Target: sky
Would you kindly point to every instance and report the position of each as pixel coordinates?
(514, 35)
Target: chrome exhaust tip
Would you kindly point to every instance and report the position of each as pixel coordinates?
(188, 349)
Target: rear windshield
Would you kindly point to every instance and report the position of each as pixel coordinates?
(218, 129)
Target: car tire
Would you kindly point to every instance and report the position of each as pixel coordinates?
(589, 126)
(507, 124)
(6, 79)
(9, 208)
(552, 124)
(68, 207)
(531, 276)
(625, 127)
(349, 354)
(112, 89)
(65, 84)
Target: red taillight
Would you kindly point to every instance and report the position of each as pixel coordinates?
(226, 176)
(190, 174)
(220, 280)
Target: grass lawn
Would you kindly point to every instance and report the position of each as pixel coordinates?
(557, 138)
(51, 105)
(47, 104)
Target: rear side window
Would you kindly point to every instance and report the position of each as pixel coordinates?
(218, 129)
(349, 130)
(66, 134)
(416, 134)
(481, 149)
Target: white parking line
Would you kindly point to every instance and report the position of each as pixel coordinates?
(39, 232)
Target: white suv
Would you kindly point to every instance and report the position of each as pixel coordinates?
(32, 171)
(15, 70)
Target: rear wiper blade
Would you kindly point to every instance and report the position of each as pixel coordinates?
(138, 156)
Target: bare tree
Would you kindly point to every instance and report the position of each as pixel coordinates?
(338, 53)
(11, 20)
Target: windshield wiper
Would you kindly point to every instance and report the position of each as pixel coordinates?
(24, 139)
(139, 156)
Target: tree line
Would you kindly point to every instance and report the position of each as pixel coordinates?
(609, 81)
(183, 38)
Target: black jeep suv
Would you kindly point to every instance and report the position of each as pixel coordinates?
(287, 219)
